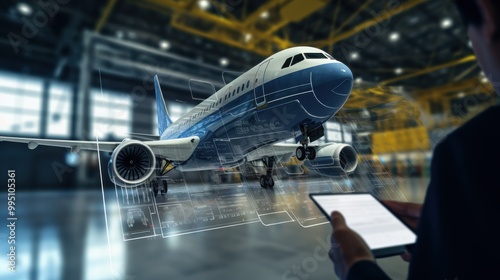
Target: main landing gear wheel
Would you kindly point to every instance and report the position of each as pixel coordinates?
(266, 182)
(165, 187)
(154, 187)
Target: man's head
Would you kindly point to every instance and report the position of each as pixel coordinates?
(482, 18)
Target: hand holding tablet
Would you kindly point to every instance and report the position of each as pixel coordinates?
(384, 233)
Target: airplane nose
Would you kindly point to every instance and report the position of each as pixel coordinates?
(332, 84)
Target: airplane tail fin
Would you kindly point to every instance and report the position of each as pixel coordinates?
(163, 119)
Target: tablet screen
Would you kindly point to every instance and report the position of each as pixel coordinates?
(369, 218)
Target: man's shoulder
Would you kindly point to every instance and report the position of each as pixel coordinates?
(481, 129)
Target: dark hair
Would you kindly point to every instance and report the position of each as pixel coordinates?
(469, 10)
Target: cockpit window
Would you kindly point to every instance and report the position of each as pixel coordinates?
(329, 56)
(287, 63)
(296, 59)
(315, 56)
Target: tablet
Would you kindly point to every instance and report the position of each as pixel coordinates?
(384, 233)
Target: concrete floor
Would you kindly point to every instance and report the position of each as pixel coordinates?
(231, 232)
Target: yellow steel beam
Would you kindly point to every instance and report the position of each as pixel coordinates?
(353, 16)
(105, 15)
(295, 11)
(380, 18)
(428, 70)
(251, 19)
(233, 25)
(334, 21)
(473, 84)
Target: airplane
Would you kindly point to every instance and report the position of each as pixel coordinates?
(290, 94)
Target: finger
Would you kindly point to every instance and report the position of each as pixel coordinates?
(404, 208)
(338, 221)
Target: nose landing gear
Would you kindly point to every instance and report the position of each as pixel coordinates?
(305, 151)
(267, 181)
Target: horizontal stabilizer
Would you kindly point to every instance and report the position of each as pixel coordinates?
(163, 119)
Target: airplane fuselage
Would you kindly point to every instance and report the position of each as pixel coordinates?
(265, 105)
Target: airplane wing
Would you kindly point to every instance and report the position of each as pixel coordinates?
(173, 149)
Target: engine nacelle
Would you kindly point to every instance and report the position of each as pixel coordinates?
(131, 164)
(333, 160)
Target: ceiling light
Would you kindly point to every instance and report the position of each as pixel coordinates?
(248, 37)
(224, 61)
(446, 23)
(354, 55)
(358, 80)
(264, 14)
(119, 34)
(484, 80)
(398, 71)
(24, 9)
(164, 44)
(204, 4)
(461, 94)
(394, 36)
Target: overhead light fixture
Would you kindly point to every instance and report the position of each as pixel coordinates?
(24, 9)
(484, 80)
(461, 94)
(119, 34)
(164, 44)
(224, 62)
(446, 23)
(358, 80)
(264, 15)
(398, 71)
(204, 4)
(248, 37)
(354, 55)
(394, 36)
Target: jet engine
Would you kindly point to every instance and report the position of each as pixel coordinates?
(333, 160)
(131, 164)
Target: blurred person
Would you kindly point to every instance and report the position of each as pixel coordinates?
(457, 233)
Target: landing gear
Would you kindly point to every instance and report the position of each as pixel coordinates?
(305, 151)
(267, 181)
(154, 187)
(158, 185)
(165, 187)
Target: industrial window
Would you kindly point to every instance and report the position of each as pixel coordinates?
(234, 92)
(220, 100)
(287, 63)
(248, 84)
(20, 109)
(111, 113)
(242, 87)
(225, 97)
(238, 90)
(59, 117)
(296, 59)
(315, 56)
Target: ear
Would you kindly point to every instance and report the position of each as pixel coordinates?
(491, 22)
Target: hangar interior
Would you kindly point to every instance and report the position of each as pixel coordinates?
(84, 69)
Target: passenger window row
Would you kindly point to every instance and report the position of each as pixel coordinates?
(227, 96)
